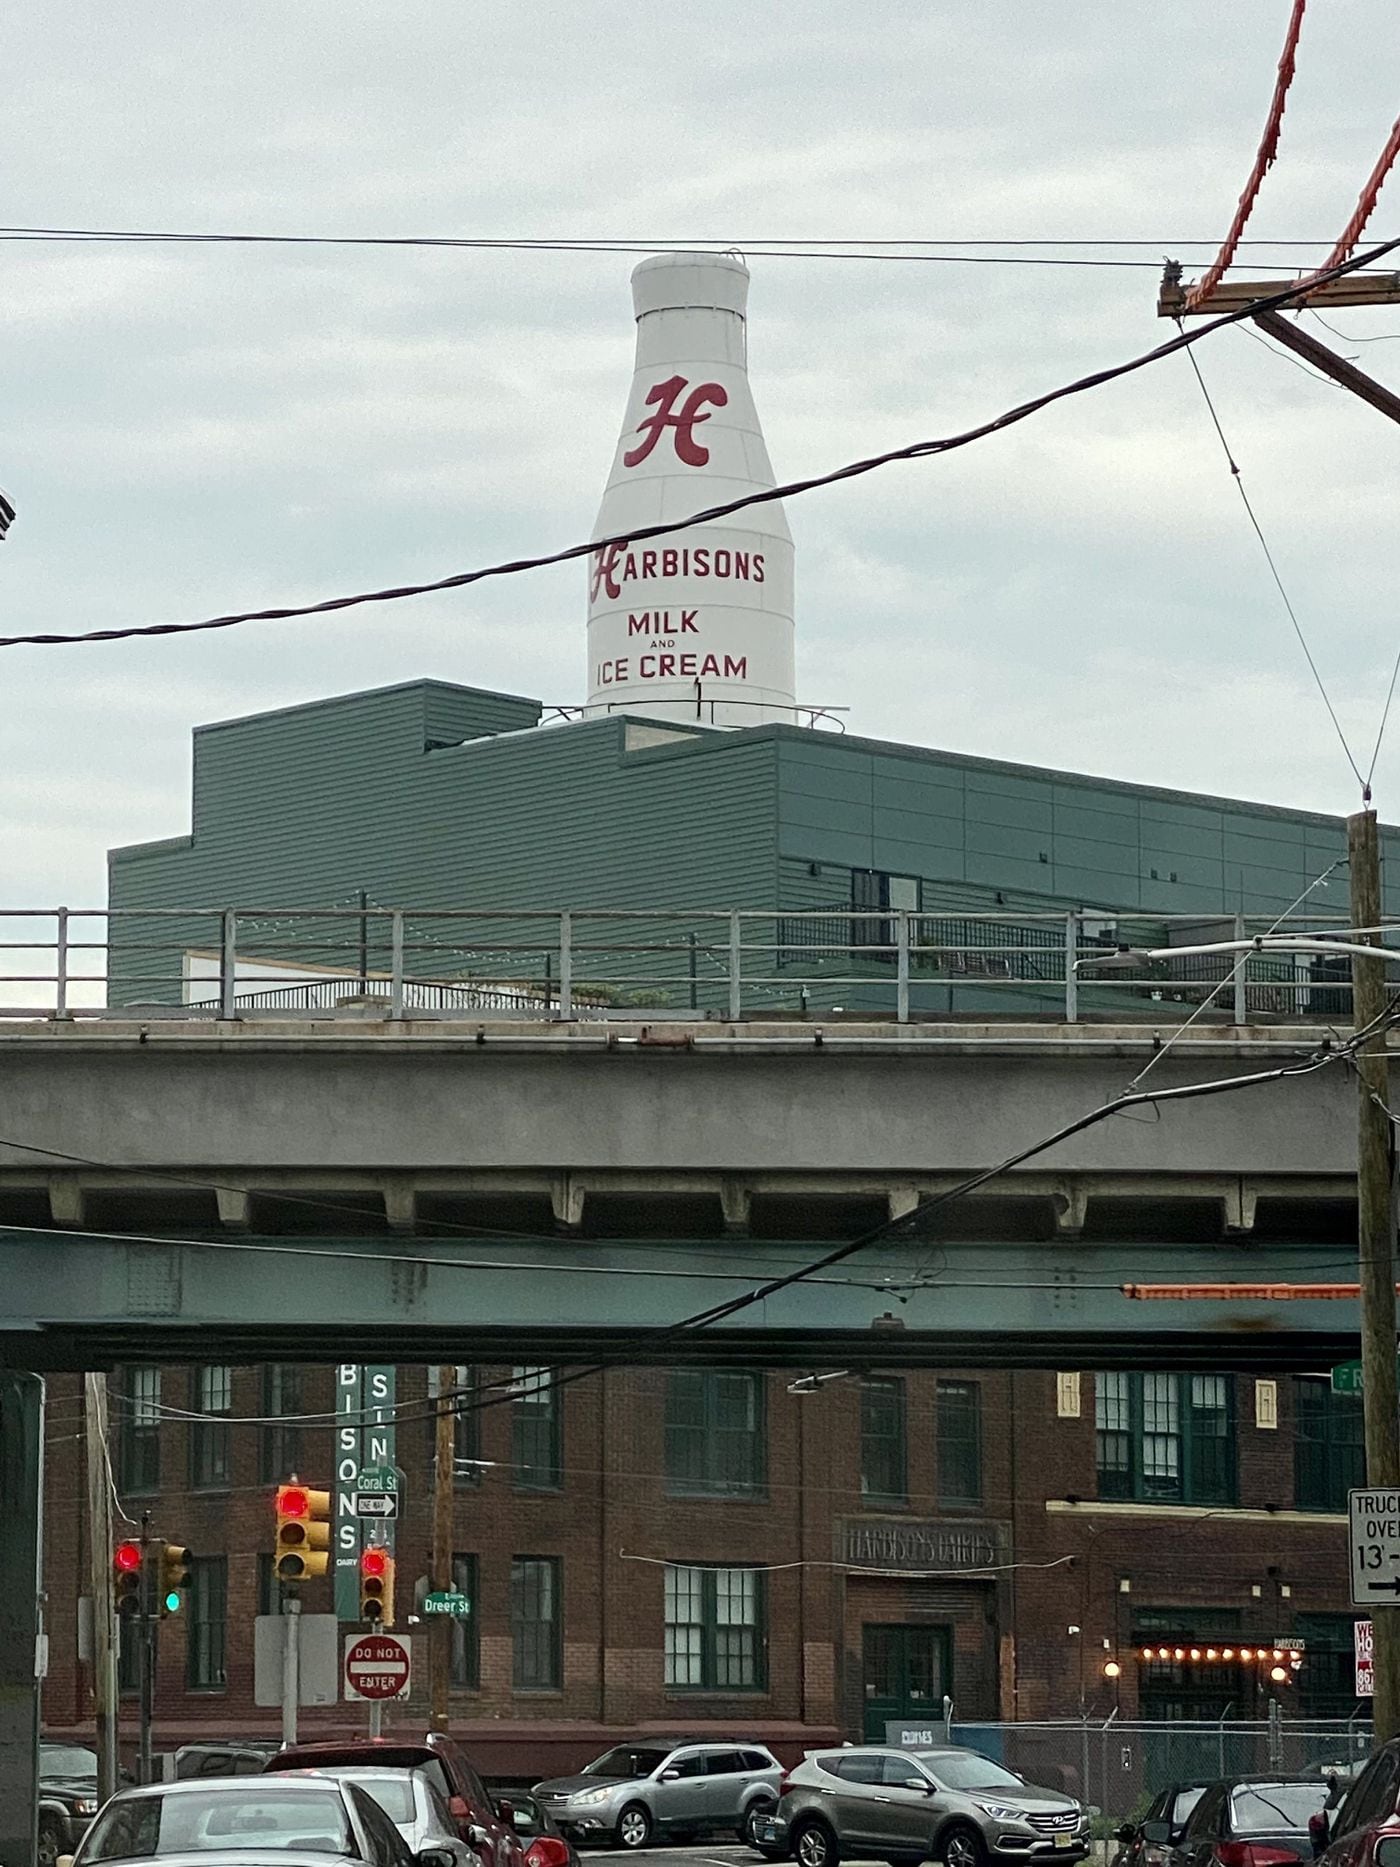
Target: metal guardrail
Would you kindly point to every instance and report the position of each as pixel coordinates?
(733, 963)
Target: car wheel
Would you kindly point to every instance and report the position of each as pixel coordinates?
(755, 1813)
(51, 1844)
(814, 1845)
(633, 1827)
(962, 1846)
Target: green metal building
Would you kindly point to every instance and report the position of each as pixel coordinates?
(429, 795)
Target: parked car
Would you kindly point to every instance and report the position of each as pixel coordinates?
(1250, 1821)
(907, 1806)
(67, 1797)
(1171, 1805)
(1359, 1818)
(472, 1810)
(545, 1843)
(298, 1821)
(242, 1757)
(414, 1804)
(675, 1787)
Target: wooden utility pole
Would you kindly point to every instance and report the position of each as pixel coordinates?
(444, 1475)
(1375, 1155)
(100, 1552)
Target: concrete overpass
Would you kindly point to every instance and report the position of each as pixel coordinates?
(436, 1187)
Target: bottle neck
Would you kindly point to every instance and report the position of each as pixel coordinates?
(692, 336)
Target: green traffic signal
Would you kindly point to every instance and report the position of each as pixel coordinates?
(171, 1603)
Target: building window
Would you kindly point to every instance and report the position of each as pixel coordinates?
(269, 1591)
(959, 1443)
(714, 1629)
(280, 1451)
(1327, 1677)
(208, 1624)
(535, 1430)
(883, 1452)
(1329, 1453)
(138, 1441)
(210, 1455)
(714, 1433)
(1174, 1691)
(466, 1643)
(1165, 1438)
(129, 1654)
(534, 1623)
(466, 1435)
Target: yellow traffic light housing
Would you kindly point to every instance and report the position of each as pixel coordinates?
(377, 1586)
(303, 1533)
(175, 1562)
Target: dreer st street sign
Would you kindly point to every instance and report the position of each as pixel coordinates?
(447, 1601)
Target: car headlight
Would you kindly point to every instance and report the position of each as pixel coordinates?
(590, 1797)
(1000, 1813)
(87, 1805)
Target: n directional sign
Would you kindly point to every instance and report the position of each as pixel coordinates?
(1373, 1519)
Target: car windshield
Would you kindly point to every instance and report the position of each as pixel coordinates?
(625, 1761)
(1262, 1808)
(66, 1760)
(966, 1770)
(218, 1820)
(394, 1794)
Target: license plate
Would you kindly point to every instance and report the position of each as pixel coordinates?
(1064, 1839)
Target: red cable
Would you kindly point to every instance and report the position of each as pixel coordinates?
(1263, 162)
(1365, 207)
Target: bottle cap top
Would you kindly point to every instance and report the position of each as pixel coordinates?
(691, 282)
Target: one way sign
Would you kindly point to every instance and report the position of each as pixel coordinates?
(1374, 1524)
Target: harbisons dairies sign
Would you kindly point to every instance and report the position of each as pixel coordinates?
(696, 625)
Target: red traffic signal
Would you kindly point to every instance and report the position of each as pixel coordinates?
(127, 1562)
(374, 1561)
(293, 1501)
(377, 1586)
(126, 1558)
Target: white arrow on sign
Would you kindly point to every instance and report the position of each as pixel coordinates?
(376, 1503)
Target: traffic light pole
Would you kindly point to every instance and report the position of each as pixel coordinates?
(291, 1664)
(146, 1621)
(1375, 1239)
(444, 1482)
(104, 1618)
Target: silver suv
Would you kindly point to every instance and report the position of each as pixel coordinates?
(676, 1787)
(906, 1806)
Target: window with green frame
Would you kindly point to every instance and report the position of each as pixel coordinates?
(1165, 1438)
(1327, 1677)
(537, 1459)
(714, 1433)
(715, 1632)
(1329, 1454)
(884, 1454)
(959, 1444)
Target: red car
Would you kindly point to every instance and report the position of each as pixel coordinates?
(479, 1822)
(1363, 1830)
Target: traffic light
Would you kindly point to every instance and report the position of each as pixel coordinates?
(377, 1586)
(303, 1533)
(175, 1562)
(126, 1563)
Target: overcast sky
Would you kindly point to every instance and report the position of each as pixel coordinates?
(191, 430)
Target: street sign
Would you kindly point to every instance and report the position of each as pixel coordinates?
(376, 1503)
(1363, 1637)
(377, 1478)
(317, 1653)
(447, 1601)
(1346, 1378)
(377, 1666)
(1373, 1521)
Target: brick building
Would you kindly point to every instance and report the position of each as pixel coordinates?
(667, 1548)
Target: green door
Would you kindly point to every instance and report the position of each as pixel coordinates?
(906, 1673)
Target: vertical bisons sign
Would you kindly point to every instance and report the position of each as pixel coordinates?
(697, 624)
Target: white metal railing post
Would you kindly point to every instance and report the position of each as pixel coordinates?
(1071, 960)
(901, 970)
(228, 964)
(60, 999)
(566, 964)
(1241, 1012)
(396, 963)
(736, 960)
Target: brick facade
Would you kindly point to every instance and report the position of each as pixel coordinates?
(999, 1584)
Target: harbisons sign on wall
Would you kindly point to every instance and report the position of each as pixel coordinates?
(697, 625)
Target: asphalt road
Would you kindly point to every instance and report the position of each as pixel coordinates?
(696, 1854)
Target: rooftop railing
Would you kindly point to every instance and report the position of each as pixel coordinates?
(735, 963)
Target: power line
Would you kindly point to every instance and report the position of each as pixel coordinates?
(917, 450)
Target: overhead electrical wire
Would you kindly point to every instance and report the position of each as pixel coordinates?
(917, 450)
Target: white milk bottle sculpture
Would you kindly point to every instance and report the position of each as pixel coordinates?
(696, 624)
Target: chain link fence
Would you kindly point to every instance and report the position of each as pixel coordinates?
(1117, 1766)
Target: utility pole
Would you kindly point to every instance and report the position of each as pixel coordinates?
(146, 1621)
(444, 1474)
(104, 1617)
(291, 1664)
(1375, 1238)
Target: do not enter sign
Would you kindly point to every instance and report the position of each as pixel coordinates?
(377, 1666)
